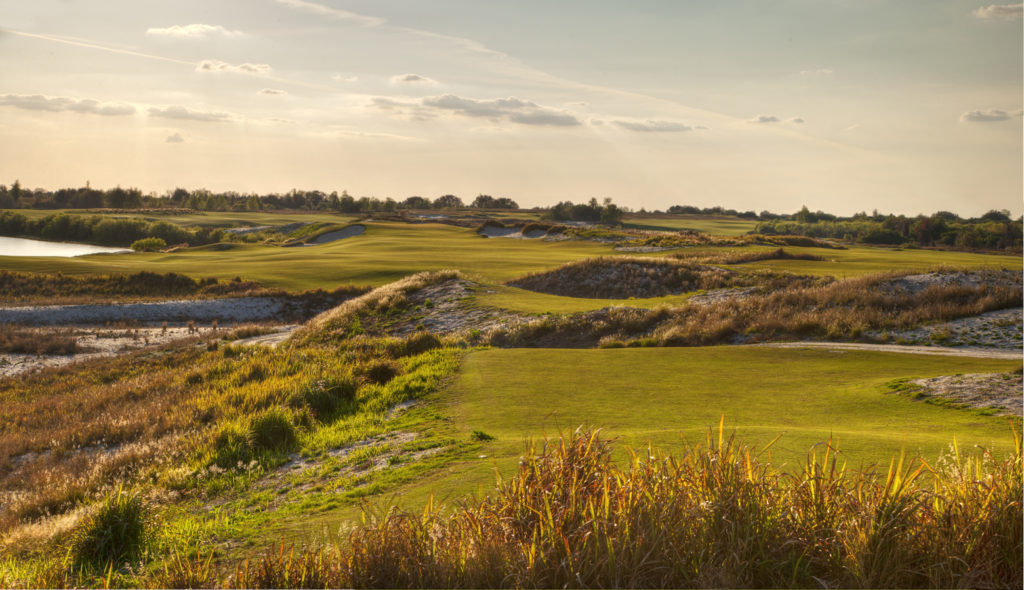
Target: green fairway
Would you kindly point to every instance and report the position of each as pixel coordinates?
(531, 302)
(658, 396)
(389, 251)
(862, 260)
(386, 252)
(719, 226)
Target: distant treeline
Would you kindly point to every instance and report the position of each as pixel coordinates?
(17, 197)
(107, 231)
(994, 230)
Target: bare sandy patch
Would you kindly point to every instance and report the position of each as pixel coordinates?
(974, 390)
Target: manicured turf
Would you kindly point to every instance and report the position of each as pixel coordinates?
(386, 252)
(719, 226)
(659, 395)
(389, 251)
(521, 300)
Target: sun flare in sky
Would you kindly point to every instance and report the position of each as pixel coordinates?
(841, 105)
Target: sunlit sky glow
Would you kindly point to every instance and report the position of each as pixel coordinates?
(906, 106)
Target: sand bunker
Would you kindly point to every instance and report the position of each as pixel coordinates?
(975, 390)
(511, 232)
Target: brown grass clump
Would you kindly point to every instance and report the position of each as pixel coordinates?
(27, 341)
(841, 310)
(741, 257)
(716, 516)
(622, 277)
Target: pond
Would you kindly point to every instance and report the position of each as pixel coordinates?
(24, 247)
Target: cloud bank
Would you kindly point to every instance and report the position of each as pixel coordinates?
(1005, 12)
(988, 116)
(653, 126)
(181, 113)
(194, 31)
(213, 65)
(412, 79)
(511, 109)
(38, 102)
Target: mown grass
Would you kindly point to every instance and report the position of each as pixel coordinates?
(389, 251)
(722, 226)
(657, 396)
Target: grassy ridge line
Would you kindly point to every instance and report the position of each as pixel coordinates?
(390, 251)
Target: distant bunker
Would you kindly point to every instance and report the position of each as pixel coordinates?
(626, 277)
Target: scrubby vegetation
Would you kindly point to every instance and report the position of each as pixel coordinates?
(194, 420)
(28, 341)
(716, 516)
(623, 277)
(783, 307)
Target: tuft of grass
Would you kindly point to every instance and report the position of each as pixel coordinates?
(272, 430)
(114, 534)
(480, 435)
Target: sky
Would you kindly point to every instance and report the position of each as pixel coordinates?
(904, 106)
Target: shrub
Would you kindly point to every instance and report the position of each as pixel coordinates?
(326, 396)
(149, 245)
(272, 430)
(481, 436)
(378, 372)
(417, 343)
(114, 534)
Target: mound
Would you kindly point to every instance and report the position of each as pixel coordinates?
(333, 236)
(625, 277)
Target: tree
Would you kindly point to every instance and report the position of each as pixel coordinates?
(415, 202)
(447, 202)
(483, 202)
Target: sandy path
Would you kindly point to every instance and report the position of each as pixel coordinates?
(933, 350)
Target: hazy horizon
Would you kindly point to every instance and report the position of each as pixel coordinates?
(908, 108)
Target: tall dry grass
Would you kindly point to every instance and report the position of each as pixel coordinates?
(716, 516)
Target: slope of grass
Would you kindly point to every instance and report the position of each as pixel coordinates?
(720, 226)
(386, 252)
(656, 396)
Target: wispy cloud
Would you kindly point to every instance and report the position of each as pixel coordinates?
(38, 102)
(344, 78)
(184, 114)
(272, 91)
(764, 119)
(797, 120)
(1005, 12)
(335, 13)
(653, 126)
(987, 116)
(511, 109)
(818, 72)
(175, 138)
(412, 79)
(194, 31)
(213, 65)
